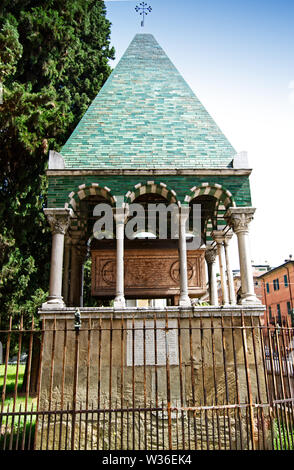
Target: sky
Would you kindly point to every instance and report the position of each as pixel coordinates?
(237, 56)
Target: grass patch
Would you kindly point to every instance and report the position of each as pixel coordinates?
(10, 388)
(16, 429)
(11, 378)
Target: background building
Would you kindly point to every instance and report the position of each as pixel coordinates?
(257, 271)
(277, 293)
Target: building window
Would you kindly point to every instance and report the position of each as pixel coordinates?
(276, 284)
(286, 280)
(279, 314)
(270, 313)
(290, 312)
(267, 287)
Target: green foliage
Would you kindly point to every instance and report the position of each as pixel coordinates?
(53, 61)
(283, 436)
(10, 50)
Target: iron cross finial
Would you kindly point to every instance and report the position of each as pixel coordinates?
(145, 9)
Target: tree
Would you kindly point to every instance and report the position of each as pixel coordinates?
(53, 61)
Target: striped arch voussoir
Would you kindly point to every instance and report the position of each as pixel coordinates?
(224, 201)
(223, 196)
(149, 188)
(84, 191)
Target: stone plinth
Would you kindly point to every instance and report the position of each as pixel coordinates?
(139, 371)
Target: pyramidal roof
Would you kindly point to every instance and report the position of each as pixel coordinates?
(146, 116)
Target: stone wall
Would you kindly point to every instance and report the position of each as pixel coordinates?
(202, 363)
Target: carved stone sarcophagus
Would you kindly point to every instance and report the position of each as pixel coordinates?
(149, 273)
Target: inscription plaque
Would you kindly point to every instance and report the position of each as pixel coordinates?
(159, 344)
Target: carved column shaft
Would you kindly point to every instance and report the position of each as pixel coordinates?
(66, 268)
(120, 215)
(184, 300)
(218, 237)
(232, 295)
(74, 277)
(210, 256)
(239, 218)
(78, 253)
(59, 222)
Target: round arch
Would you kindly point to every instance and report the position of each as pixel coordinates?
(84, 191)
(223, 198)
(152, 188)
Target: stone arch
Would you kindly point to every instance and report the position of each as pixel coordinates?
(151, 187)
(84, 191)
(223, 196)
(224, 200)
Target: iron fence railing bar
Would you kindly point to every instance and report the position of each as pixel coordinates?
(148, 382)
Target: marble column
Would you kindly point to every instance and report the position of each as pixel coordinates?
(232, 295)
(218, 237)
(59, 220)
(239, 218)
(210, 256)
(74, 277)
(184, 300)
(78, 253)
(83, 252)
(120, 216)
(66, 269)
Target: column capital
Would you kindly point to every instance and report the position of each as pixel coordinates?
(218, 236)
(239, 218)
(222, 236)
(59, 219)
(210, 255)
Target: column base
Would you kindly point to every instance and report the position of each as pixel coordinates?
(249, 299)
(54, 302)
(185, 301)
(119, 302)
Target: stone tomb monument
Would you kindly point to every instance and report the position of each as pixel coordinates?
(147, 139)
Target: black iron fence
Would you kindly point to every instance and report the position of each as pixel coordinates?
(153, 380)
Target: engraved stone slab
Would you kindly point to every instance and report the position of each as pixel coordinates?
(147, 273)
(160, 343)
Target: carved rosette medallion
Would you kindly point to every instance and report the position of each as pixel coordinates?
(175, 271)
(109, 273)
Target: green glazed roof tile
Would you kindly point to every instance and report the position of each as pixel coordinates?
(146, 115)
